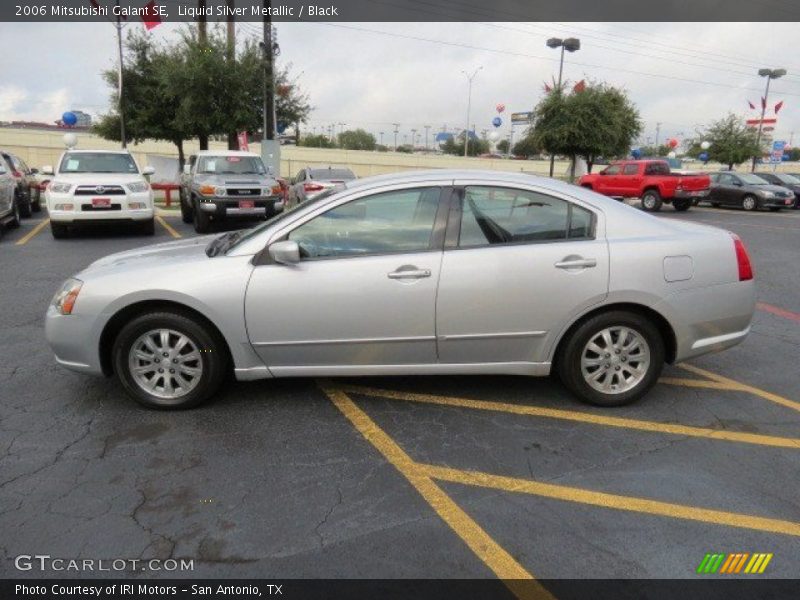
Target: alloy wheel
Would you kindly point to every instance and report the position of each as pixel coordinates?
(165, 363)
(615, 360)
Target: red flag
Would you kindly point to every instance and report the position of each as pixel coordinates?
(778, 106)
(150, 18)
(763, 103)
(580, 86)
(753, 106)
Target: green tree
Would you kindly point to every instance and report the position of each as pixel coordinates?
(405, 149)
(455, 145)
(317, 141)
(527, 146)
(655, 151)
(600, 120)
(731, 141)
(502, 146)
(356, 139)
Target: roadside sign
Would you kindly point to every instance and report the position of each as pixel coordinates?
(521, 117)
(776, 155)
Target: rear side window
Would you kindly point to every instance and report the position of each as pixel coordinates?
(330, 174)
(491, 216)
(630, 170)
(657, 168)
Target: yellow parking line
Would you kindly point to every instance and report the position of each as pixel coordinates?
(168, 227)
(699, 383)
(581, 417)
(514, 575)
(742, 387)
(615, 501)
(28, 236)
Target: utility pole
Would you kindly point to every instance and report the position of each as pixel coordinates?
(469, 101)
(381, 138)
(120, 89)
(270, 148)
(658, 132)
(396, 129)
(413, 138)
(427, 128)
(233, 138)
(202, 35)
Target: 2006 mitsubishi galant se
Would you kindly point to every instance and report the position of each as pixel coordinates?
(452, 272)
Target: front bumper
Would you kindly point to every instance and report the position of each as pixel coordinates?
(83, 211)
(776, 202)
(73, 341)
(223, 207)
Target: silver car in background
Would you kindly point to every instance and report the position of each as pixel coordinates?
(433, 272)
(313, 181)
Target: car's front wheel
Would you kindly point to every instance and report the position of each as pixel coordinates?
(186, 211)
(202, 222)
(749, 202)
(612, 359)
(169, 360)
(15, 216)
(24, 203)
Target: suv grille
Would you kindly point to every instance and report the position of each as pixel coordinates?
(243, 192)
(100, 190)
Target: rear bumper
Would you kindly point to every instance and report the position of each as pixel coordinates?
(690, 194)
(709, 319)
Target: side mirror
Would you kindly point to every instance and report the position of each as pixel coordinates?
(286, 252)
(148, 170)
(47, 170)
(187, 169)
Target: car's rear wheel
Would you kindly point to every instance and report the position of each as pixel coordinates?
(202, 223)
(682, 204)
(168, 360)
(715, 204)
(749, 202)
(36, 204)
(651, 201)
(774, 208)
(612, 359)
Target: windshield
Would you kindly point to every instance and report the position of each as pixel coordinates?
(249, 233)
(97, 162)
(231, 165)
(752, 179)
(790, 179)
(329, 174)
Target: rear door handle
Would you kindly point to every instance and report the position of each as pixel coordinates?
(577, 263)
(409, 274)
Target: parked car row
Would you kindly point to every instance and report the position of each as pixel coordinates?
(19, 195)
(752, 191)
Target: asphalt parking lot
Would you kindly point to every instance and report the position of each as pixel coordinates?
(453, 477)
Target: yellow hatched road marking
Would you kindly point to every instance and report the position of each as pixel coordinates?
(582, 417)
(615, 501)
(742, 387)
(168, 227)
(28, 236)
(514, 575)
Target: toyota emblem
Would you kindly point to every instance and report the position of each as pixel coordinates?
(100, 189)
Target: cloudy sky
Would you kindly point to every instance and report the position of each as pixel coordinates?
(371, 75)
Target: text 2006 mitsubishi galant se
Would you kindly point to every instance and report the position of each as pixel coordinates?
(451, 272)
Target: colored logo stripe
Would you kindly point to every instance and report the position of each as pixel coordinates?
(734, 563)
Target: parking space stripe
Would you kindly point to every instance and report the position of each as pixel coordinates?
(614, 501)
(168, 227)
(514, 575)
(699, 383)
(742, 387)
(781, 312)
(582, 417)
(28, 236)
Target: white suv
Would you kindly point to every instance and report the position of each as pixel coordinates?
(98, 185)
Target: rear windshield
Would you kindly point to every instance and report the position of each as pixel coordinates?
(231, 165)
(97, 162)
(331, 174)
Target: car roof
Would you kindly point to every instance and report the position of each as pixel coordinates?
(82, 151)
(226, 153)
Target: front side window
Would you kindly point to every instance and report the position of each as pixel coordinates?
(630, 170)
(398, 221)
(97, 162)
(493, 215)
(612, 170)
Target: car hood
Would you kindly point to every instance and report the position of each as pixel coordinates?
(171, 253)
(98, 178)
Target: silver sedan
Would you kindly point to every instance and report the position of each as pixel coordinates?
(434, 272)
(313, 181)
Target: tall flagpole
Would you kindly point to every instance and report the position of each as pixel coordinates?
(121, 104)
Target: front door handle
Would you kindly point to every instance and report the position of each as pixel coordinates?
(406, 273)
(576, 263)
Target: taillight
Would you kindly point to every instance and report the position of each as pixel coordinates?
(312, 187)
(742, 259)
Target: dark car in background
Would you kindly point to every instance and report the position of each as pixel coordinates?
(25, 183)
(788, 181)
(748, 191)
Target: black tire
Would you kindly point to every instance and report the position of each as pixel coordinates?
(36, 204)
(59, 230)
(212, 355)
(24, 203)
(186, 210)
(148, 227)
(651, 201)
(202, 223)
(15, 212)
(568, 361)
(774, 208)
(682, 204)
(750, 202)
(715, 204)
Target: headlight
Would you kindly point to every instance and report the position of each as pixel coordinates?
(138, 186)
(60, 187)
(65, 298)
(219, 191)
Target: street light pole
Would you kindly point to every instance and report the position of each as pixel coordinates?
(770, 74)
(396, 129)
(427, 128)
(570, 45)
(469, 102)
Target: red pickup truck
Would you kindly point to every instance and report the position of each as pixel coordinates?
(650, 180)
